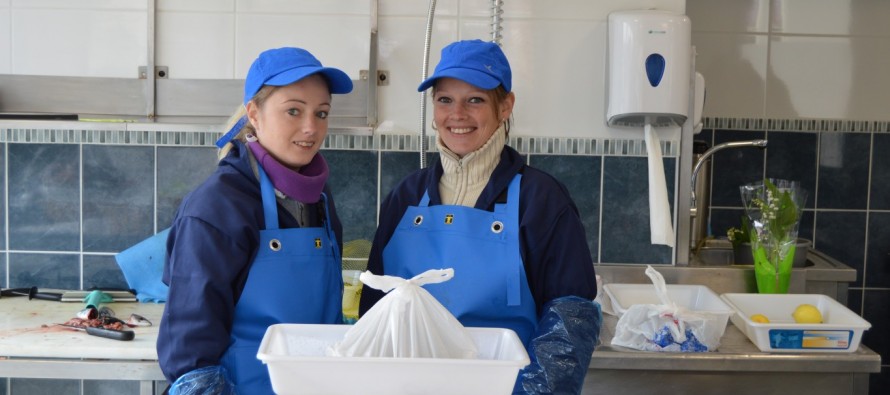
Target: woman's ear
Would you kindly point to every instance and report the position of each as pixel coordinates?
(253, 115)
(507, 106)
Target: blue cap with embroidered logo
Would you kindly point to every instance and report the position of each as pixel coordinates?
(284, 66)
(476, 62)
(280, 67)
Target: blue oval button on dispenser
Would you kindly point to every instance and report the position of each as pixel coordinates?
(655, 69)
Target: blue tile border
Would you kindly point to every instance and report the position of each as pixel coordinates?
(796, 125)
(382, 142)
(206, 135)
(118, 137)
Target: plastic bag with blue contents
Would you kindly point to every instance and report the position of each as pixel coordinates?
(667, 326)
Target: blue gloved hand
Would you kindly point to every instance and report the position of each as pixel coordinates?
(561, 349)
(209, 380)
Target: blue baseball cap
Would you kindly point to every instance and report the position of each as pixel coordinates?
(284, 66)
(476, 62)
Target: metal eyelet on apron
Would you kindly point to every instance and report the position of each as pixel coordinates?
(418, 220)
(497, 226)
(275, 245)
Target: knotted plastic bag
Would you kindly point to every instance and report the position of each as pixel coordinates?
(407, 322)
(667, 326)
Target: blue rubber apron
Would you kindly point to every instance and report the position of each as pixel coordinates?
(296, 277)
(489, 288)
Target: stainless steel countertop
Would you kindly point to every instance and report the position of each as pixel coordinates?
(736, 353)
(32, 347)
(27, 330)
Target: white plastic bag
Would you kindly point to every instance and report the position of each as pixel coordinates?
(407, 322)
(668, 326)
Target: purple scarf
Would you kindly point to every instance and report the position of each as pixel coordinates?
(304, 186)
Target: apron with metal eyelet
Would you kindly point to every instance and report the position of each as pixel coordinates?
(489, 288)
(296, 277)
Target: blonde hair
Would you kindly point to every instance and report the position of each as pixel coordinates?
(259, 99)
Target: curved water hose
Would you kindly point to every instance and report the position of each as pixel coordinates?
(496, 12)
(497, 9)
(423, 75)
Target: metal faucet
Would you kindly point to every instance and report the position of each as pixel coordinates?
(711, 151)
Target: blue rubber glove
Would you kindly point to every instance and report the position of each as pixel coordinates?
(96, 298)
(209, 380)
(562, 347)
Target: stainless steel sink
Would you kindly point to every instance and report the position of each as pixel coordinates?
(713, 252)
(719, 252)
(712, 265)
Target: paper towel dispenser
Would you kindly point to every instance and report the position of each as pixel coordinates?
(649, 68)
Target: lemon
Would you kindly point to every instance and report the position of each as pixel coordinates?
(760, 318)
(807, 314)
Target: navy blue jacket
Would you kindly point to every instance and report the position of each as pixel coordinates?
(553, 244)
(212, 243)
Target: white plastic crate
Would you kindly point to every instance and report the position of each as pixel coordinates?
(840, 331)
(295, 355)
(692, 297)
(698, 298)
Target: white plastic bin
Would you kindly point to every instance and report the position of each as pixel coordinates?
(697, 298)
(840, 331)
(296, 356)
(692, 297)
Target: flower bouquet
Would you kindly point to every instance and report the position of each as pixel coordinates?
(741, 242)
(773, 210)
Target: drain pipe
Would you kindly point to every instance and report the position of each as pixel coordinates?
(423, 75)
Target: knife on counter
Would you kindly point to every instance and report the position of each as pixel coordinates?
(102, 332)
(31, 293)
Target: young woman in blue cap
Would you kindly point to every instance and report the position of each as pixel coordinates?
(258, 243)
(511, 232)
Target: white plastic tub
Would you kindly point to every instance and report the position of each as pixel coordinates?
(698, 298)
(692, 297)
(840, 331)
(295, 355)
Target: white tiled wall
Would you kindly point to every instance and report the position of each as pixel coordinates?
(341, 41)
(834, 17)
(734, 67)
(557, 48)
(401, 8)
(837, 77)
(305, 7)
(793, 59)
(78, 41)
(206, 52)
(760, 58)
(5, 38)
(196, 5)
(732, 16)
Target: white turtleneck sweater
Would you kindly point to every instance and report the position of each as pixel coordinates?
(465, 178)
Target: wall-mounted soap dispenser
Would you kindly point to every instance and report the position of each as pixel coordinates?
(649, 67)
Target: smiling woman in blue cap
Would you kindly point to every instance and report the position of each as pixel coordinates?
(259, 242)
(511, 232)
